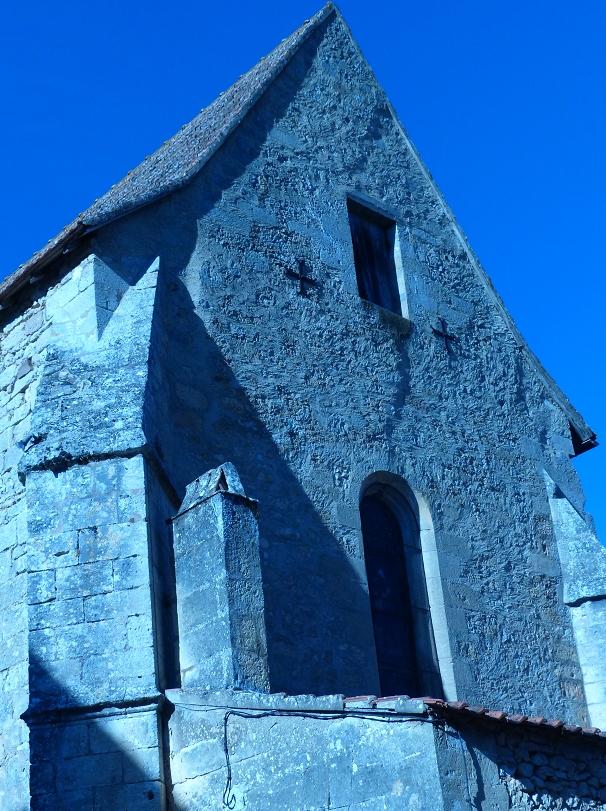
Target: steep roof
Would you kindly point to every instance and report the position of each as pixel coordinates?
(181, 157)
(178, 160)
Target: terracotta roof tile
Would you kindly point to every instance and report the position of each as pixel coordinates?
(476, 710)
(438, 705)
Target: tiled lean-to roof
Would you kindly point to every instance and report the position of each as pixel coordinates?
(461, 709)
(181, 157)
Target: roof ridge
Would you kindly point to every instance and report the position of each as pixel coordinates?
(207, 130)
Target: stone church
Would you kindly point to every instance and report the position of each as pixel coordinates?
(289, 519)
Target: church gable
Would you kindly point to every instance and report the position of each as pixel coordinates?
(181, 158)
(276, 434)
(274, 360)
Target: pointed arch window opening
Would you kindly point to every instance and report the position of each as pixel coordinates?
(404, 639)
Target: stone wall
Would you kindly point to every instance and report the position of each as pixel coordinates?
(87, 588)
(108, 759)
(510, 765)
(310, 395)
(173, 341)
(23, 340)
(307, 752)
(548, 775)
(219, 586)
(299, 753)
(89, 600)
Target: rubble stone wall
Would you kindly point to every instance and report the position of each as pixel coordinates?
(512, 766)
(25, 333)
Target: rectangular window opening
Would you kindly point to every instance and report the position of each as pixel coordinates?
(373, 237)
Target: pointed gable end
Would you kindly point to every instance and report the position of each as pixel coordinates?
(180, 158)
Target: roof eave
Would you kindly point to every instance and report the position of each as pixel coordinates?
(28, 271)
(585, 438)
(89, 220)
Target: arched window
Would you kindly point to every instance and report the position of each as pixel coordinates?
(406, 654)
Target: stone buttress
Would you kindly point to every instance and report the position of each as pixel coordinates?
(220, 603)
(98, 595)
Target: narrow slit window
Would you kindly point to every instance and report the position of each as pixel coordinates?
(401, 618)
(373, 238)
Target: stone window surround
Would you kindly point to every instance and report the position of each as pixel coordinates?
(433, 580)
(387, 211)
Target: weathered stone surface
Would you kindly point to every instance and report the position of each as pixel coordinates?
(314, 761)
(244, 699)
(111, 759)
(219, 590)
(87, 536)
(121, 385)
(90, 397)
(310, 395)
(109, 564)
(582, 557)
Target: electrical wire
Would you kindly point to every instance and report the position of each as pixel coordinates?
(229, 798)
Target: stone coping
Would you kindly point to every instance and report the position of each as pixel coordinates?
(242, 699)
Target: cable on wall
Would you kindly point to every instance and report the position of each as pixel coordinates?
(229, 798)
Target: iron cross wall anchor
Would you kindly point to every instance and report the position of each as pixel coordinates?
(443, 333)
(301, 278)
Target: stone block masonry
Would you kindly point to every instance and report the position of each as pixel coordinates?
(89, 599)
(97, 760)
(91, 640)
(76, 528)
(23, 342)
(301, 753)
(219, 587)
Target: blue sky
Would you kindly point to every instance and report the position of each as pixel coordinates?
(504, 100)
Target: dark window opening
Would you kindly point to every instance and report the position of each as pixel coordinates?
(373, 237)
(404, 642)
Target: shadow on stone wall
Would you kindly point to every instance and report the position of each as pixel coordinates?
(94, 758)
(317, 614)
(219, 390)
(207, 405)
(542, 769)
